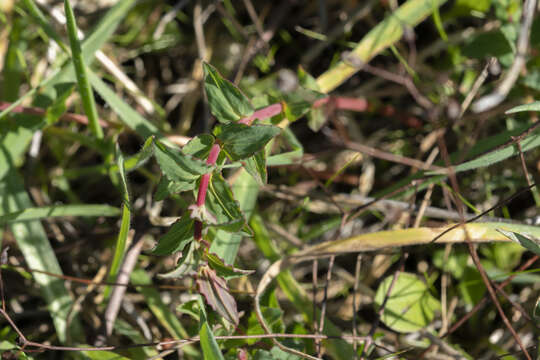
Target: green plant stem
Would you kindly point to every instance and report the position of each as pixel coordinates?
(85, 90)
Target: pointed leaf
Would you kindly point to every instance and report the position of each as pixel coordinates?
(527, 241)
(179, 167)
(179, 235)
(209, 344)
(299, 102)
(199, 146)
(241, 141)
(223, 206)
(217, 295)
(227, 102)
(167, 187)
(535, 106)
(256, 166)
(222, 269)
(187, 265)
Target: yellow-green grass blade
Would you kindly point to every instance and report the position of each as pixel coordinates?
(385, 34)
(55, 211)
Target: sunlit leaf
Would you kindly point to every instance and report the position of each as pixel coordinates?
(227, 102)
(179, 235)
(410, 307)
(178, 166)
(240, 141)
(255, 165)
(527, 241)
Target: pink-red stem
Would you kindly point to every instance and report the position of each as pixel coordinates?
(269, 111)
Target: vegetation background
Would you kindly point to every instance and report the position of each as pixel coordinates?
(429, 121)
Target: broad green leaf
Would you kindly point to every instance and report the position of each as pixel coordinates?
(179, 235)
(529, 242)
(222, 204)
(188, 264)
(209, 344)
(227, 102)
(410, 307)
(255, 165)
(167, 187)
(224, 270)
(177, 166)
(488, 44)
(121, 240)
(47, 212)
(214, 289)
(534, 106)
(240, 141)
(199, 146)
(274, 353)
(87, 96)
(386, 33)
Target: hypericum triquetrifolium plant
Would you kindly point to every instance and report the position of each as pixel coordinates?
(240, 136)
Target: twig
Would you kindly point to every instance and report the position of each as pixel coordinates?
(496, 97)
(323, 310)
(355, 309)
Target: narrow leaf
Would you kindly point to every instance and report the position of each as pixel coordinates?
(241, 141)
(121, 241)
(47, 212)
(535, 106)
(529, 242)
(85, 90)
(209, 344)
(227, 102)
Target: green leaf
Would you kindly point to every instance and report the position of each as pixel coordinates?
(85, 90)
(386, 33)
(215, 291)
(223, 206)
(167, 187)
(199, 146)
(121, 240)
(188, 264)
(299, 102)
(47, 212)
(58, 107)
(222, 269)
(177, 166)
(255, 165)
(488, 44)
(410, 306)
(534, 106)
(209, 344)
(227, 102)
(38, 254)
(529, 242)
(240, 141)
(245, 191)
(179, 235)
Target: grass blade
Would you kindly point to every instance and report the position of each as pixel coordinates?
(386, 33)
(54, 211)
(121, 241)
(85, 90)
(38, 254)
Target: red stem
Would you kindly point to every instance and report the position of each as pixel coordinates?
(269, 111)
